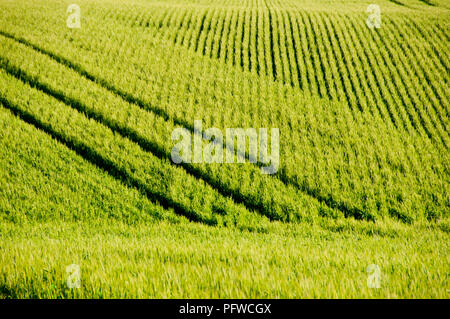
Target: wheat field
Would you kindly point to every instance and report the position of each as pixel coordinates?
(87, 116)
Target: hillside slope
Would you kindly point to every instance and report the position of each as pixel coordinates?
(87, 117)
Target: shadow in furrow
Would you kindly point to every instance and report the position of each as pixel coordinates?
(124, 95)
(427, 2)
(398, 2)
(249, 202)
(328, 200)
(238, 197)
(106, 165)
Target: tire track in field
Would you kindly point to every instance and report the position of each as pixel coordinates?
(346, 209)
(398, 3)
(359, 79)
(427, 2)
(142, 142)
(323, 89)
(106, 165)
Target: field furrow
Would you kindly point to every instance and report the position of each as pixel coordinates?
(237, 148)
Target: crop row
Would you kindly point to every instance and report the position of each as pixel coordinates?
(332, 157)
(292, 46)
(153, 134)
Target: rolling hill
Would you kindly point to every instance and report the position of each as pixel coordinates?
(87, 116)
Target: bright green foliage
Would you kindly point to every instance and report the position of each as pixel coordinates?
(86, 117)
(164, 260)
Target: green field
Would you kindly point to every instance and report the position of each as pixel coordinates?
(87, 178)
